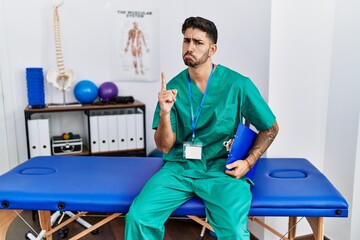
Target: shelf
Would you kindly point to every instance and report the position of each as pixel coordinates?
(95, 121)
(85, 152)
(83, 107)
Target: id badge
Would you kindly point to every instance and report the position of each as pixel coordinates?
(192, 150)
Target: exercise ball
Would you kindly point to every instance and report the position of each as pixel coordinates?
(107, 91)
(85, 91)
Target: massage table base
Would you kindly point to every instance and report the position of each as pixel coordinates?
(7, 217)
(316, 224)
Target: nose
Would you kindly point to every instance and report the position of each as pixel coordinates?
(188, 46)
(191, 46)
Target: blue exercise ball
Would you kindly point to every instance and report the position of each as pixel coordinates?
(85, 91)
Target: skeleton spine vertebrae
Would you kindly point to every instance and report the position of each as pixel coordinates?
(60, 78)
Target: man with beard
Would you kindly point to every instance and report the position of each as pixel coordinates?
(197, 111)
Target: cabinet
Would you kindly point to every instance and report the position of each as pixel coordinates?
(109, 129)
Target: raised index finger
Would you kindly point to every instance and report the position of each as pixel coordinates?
(163, 82)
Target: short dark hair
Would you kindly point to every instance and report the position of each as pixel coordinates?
(202, 24)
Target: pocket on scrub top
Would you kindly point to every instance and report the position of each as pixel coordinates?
(226, 118)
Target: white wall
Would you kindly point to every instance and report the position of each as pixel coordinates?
(8, 149)
(4, 166)
(314, 89)
(355, 206)
(29, 35)
(4, 162)
(300, 59)
(301, 47)
(343, 114)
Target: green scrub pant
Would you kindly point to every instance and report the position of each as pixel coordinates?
(227, 201)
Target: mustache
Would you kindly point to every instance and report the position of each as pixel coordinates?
(189, 53)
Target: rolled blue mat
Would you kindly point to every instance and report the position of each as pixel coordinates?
(35, 87)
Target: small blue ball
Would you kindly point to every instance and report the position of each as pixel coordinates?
(85, 91)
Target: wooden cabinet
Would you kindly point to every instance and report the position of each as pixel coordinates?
(109, 129)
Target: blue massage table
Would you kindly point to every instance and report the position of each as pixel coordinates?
(284, 187)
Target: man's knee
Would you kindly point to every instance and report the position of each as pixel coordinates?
(130, 216)
(134, 214)
(140, 213)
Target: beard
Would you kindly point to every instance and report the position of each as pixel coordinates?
(195, 62)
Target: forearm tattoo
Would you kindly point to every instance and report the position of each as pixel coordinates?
(262, 142)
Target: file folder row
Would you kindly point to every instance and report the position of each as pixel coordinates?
(116, 132)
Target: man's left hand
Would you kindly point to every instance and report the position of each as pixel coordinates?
(237, 169)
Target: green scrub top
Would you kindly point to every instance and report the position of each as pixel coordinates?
(230, 98)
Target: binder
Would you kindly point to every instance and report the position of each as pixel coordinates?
(131, 130)
(139, 120)
(112, 132)
(94, 134)
(122, 132)
(34, 139)
(44, 137)
(103, 133)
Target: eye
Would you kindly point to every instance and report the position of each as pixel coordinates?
(186, 40)
(198, 42)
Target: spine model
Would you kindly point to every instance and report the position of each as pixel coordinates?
(60, 78)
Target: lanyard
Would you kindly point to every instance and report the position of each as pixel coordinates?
(193, 120)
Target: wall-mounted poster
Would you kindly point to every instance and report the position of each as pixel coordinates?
(134, 45)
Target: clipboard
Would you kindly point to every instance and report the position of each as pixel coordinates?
(242, 144)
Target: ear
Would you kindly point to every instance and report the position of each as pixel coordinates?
(212, 49)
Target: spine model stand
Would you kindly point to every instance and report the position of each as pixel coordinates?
(60, 78)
